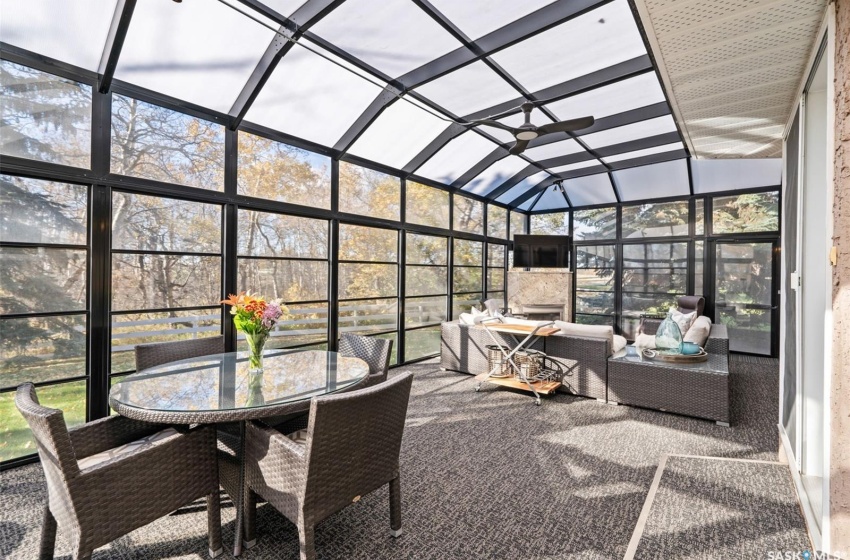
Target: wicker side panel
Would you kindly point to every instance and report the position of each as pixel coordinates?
(718, 340)
(464, 347)
(693, 393)
(582, 363)
(123, 496)
(151, 355)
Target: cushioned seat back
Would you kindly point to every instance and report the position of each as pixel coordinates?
(689, 304)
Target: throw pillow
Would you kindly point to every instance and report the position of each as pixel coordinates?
(478, 315)
(645, 341)
(699, 331)
(684, 320)
(620, 342)
(466, 319)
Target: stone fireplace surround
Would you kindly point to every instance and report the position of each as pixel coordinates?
(550, 287)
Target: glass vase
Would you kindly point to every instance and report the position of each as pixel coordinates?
(668, 337)
(255, 387)
(256, 343)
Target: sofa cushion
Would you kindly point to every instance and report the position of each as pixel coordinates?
(466, 319)
(699, 331)
(589, 331)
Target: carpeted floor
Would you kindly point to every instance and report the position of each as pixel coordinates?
(484, 475)
(720, 508)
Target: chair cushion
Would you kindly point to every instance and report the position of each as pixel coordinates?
(127, 449)
(299, 437)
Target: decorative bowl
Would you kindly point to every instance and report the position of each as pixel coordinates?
(690, 348)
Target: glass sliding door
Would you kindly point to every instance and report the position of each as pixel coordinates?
(744, 294)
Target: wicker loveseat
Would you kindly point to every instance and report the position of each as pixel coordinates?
(581, 361)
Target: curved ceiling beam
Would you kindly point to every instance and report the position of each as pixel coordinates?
(513, 181)
(480, 167)
(549, 16)
(606, 76)
(291, 28)
(525, 27)
(114, 43)
(582, 84)
(617, 166)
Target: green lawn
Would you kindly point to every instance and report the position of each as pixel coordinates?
(15, 440)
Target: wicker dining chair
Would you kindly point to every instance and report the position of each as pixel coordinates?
(375, 352)
(114, 475)
(150, 355)
(350, 448)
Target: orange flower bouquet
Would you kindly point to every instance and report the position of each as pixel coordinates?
(255, 317)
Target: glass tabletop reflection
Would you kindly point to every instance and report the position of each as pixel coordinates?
(222, 382)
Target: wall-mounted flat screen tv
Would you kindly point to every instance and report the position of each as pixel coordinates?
(541, 251)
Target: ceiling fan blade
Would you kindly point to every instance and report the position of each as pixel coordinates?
(495, 124)
(519, 147)
(566, 126)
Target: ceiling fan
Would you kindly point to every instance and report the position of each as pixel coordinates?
(527, 132)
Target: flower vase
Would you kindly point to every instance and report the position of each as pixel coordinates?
(256, 343)
(668, 337)
(255, 388)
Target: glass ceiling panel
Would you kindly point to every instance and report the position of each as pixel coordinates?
(597, 39)
(73, 32)
(456, 157)
(178, 50)
(647, 152)
(522, 186)
(619, 97)
(574, 166)
(527, 204)
(394, 36)
(403, 130)
(590, 190)
(629, 132)
(320, 105)
(495, 175)
(477, 18)
(552, 199)
(470, 89)
(284, 7)
(713, 175)
(658, 180)
(555, 149)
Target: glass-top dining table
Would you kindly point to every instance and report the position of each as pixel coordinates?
(220, 388)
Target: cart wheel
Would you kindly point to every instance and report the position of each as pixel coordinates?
(537, 402)
(478, 388)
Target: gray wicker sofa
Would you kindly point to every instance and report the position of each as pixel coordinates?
(581, 361)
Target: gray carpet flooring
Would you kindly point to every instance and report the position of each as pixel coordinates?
(719, 508)
(484, 475)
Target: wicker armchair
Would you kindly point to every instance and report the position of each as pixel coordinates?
(112, 476)
(150, 355)
(350, 448)
(374, 351)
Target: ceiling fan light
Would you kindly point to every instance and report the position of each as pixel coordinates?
(526, 135)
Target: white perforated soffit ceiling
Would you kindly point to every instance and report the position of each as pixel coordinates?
(734, 67)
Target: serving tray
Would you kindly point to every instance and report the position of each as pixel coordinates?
(702, 356)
